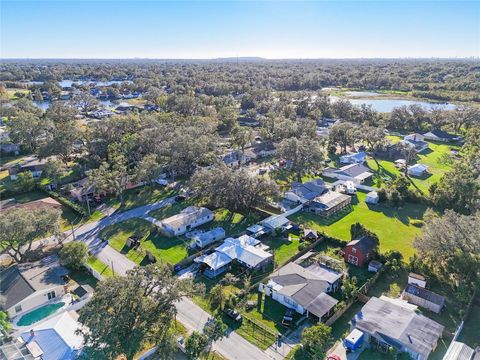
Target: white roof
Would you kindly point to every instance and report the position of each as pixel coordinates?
(354, 336)
(372, 194)
(65, 325)
(244, 250)
(215, 260)
(418, 167)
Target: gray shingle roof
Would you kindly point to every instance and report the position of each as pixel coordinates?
(13, 287)
(388, 319)
(424, 294)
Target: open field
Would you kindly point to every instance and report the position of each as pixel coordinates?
(391, 225)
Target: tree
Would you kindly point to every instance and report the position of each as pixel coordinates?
(343, 134)
(227, 117)
(349, 287)
(85, 102)
(110, 178)
(232, 189)
(317, 340)
(61, 138)
(54, 170)
(135, 310)
(409, 153)
(5, 324)
(375, 139)
(195, 345)
(74, 254)
(27, 130)
(20, 227)
(25, 182)
(241, 137)
(214, 330)
(450, 244)
(357, 230)
(304, 153)
(217, 297)
(148, 169)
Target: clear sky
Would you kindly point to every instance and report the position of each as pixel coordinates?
(271, 29)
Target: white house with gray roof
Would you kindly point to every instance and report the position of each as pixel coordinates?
(304, 289)
(186, 220)
(394, 323)
(357, 173)
(26, 286)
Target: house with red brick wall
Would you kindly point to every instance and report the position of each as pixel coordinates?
(359, 251)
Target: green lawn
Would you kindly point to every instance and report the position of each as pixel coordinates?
(140, 196)
(99, 266)
(437, 158)
(270, 313)
(170, 250)
(233, 223)
(283, 247)
(391, 225)
(471, 329)
(82, 277)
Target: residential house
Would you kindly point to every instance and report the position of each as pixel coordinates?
(328, 204)
(186, 220)
(417, 170)
(359, 251)
(55, 338)
(459, 351)
(261, 150)
(26, 286)
(204, 239)
(304, 192)
(304, 289)
(81, 190)
(416, 141)
(35, 204)
(310, 235)
(424, 298)
(235, 158)
(274, 222)
(250, 122)
(394, 323)
(357, 173)
(439, 135)
(31, 163)
(245, 249)
(355, 158)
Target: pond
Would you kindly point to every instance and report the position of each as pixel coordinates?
(387, 105)
(38, 314)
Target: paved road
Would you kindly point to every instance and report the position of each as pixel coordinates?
(233, 346)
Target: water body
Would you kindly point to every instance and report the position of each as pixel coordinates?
(387, 105)
(68, 83)
(361, 93)
(44, 105)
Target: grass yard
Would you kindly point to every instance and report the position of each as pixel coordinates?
(270, 313)
(391, 225)
(170, 210)
(99, 266)
(283, 247)
(233, 223)
(471, 328)
(437, 158)
(82, 277)
(140, 196)
(169, 250)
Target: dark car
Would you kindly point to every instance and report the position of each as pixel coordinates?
(288, 317)
(235, 315)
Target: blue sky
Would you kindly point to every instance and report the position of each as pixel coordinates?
(271, 29)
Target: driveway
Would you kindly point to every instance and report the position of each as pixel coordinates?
(339, 350)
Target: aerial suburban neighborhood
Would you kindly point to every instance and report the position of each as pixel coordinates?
(176, 186)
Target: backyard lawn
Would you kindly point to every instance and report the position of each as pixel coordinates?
(233, 223)
(392, 225)
(283, 247)
(437, 158)
(99, 266)
(169, 250)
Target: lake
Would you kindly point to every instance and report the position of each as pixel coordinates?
(44, 105)
(68, 83)
(387, 105)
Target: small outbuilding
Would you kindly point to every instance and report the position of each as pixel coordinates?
(417, 279)
(424, 298)
(417, 170)
(374, 266)
(354, 340)
(372, 198)
(204, 239)
(310, 235)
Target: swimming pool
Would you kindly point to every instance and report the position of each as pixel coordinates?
(38, 314)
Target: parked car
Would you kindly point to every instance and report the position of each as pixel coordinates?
(288, 318)
(333, 357)
(234, 314)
